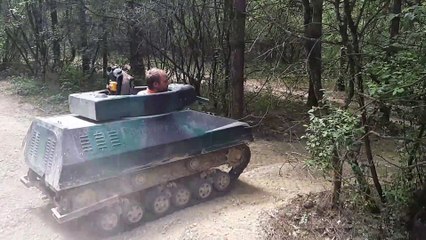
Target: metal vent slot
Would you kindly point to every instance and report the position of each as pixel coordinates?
(49, 153)
(100, 140)
(114, 138)
(85, 143)
(35, 141)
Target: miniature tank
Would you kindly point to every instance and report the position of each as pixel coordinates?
(115, 158)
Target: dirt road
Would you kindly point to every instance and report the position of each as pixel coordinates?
(238, 215)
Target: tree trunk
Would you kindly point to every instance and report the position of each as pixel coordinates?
(104, 48)
(337, 179)
(56, 49)
(361, 180)
(43, 47)
(393, 32)
(34, 14)
(396, 9)
(313, 30)
(136, 53)
(85, 58)
(340, 85)
(226, 53)
(360, 87)
(69, 36)
(343, 30)
(237, 58)
(412, 156)
(312, 100)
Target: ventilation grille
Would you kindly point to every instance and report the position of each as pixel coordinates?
(85, 143)
(100, 140)
(49, 152)
(35, 141)
(113, 137)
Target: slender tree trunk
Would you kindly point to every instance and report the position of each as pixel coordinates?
(226, 51)
(340, 85)
(43, 47)
(85, 58)
(395, 22)
(313, 30)
(412, 156)
(56, 48)
(104, 47)
(136, 54)
(393, 32)
(337, 179)
(23, 55)
(360, 87)
(73, 50)
(343, 30)
(361, 180)
(312, 100)
(237, 58)
(36, 22)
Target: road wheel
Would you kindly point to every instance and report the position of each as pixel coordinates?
(133, 211)
(160, 203)
(201, 188)
(107, 221)
(221, 181)
(181, 196)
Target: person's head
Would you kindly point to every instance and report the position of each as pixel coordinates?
(157, 80)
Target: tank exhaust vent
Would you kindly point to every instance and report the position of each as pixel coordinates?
(49, 153)
(100, 140)
(35, 141)
(85, 143)
(113, 137)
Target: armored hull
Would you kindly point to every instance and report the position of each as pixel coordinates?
(117, 167)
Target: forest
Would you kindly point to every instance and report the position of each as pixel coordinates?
(350, 73)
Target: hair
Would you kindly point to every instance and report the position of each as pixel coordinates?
(153, 75)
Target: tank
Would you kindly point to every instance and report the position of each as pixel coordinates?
(114, 159)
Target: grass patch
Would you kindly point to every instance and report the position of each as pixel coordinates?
(50, 101)
(51, 96)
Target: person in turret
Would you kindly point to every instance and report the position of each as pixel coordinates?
(156, 81)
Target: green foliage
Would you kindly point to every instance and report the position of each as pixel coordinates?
(26, 86)
(398, 69)
(399, 77)
(262, 102)
(70, 78)
(337, 129)
(400, 189)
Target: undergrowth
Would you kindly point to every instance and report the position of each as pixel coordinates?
(311, 217)
(51, 95)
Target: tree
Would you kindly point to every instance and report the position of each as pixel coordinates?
(237, 44)
(84, 48)
(56, 48)
(135, 46)
(313, 32)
